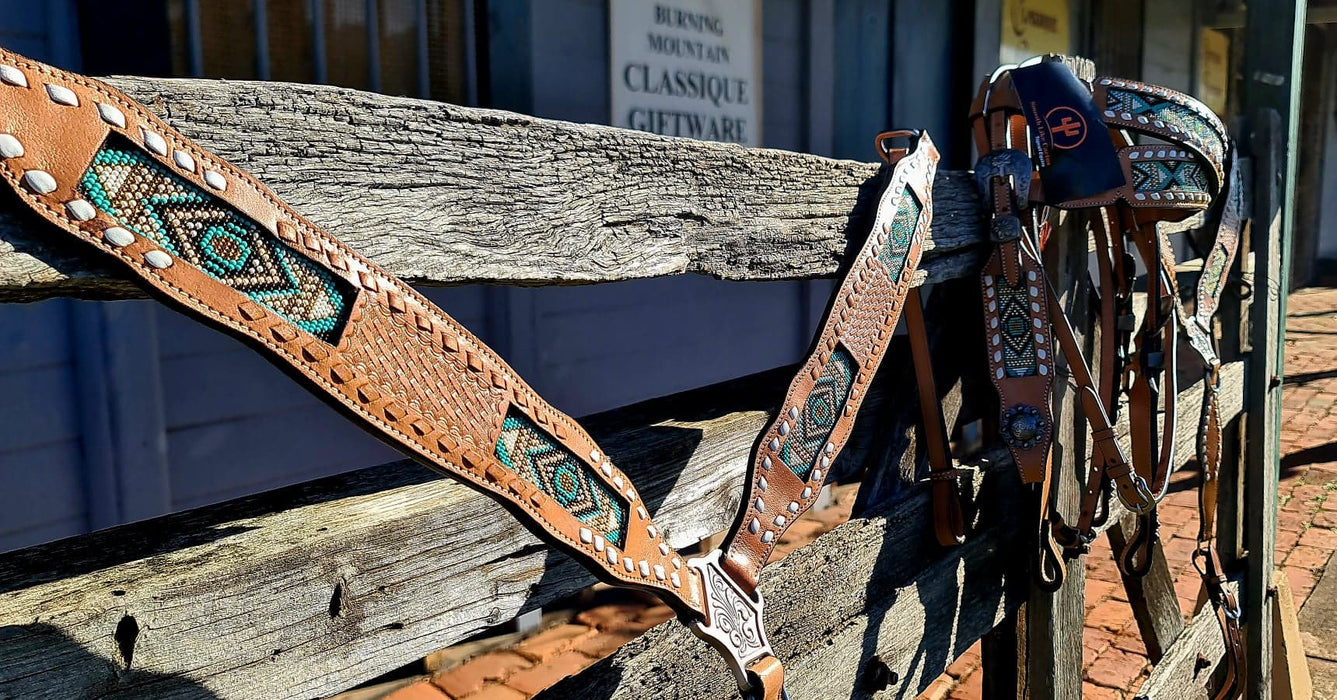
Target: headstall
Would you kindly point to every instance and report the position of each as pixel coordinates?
(1133, 155)
(208, 239)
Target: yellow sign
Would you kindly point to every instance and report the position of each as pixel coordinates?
(1034, 27)
(1214, 69)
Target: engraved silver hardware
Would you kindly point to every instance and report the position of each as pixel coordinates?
(733, 619)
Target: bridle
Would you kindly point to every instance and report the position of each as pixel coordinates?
(1188, 168)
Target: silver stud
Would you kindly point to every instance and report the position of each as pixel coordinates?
(1105, 81)
(118, 236)
(612, 555)
(793, 506)
(988, 279)
(997, 355)
(1034, 290)
(644, 567)
(993, 322)
(774, 444)
(158, 259)
(39, 181)
(997, 338)
(677, 582)
(807, 493)
(1039, 339)
(829, 448)
(154, 142)
(216, 180)
(594, 456)
(1040, 353)
(793, 413)
(586, 536)
(598, 543)
(1134, 155)
(1143, 120)
(767, 536)
(617, 481)
(640, 512)
(1035, 307)
(780, 521)
(629, 564)
(1126, 116)
(111, 115)
(754, 527)
(183, 160)
(760, 505)
(651, 531)
(825, 461)
(1036, 322)
(1140, 196)
(80, 210)
(659, 572)
(1109, 113)
(10, 146)
(677, 563)
(663, 549)
(784, 428)
(13, 76)
(1156, 195)
(762, 485)
(993, 306)
(817, 475)
(62, 95)
(606, 468)
(1030, 275)
(1044, 369)
(998, 374)
(766, 462)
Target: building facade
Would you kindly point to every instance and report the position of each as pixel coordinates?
(118, 411)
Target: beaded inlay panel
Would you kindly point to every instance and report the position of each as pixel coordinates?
(146, 198)
(1156, 176)
(1167, 111)
(823, 407)
(902, 229)
(536, 458)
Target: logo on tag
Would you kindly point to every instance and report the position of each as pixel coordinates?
(1067, 128)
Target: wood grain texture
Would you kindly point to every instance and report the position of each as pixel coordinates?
(1189, 663)
(441, 194)
(308, 590)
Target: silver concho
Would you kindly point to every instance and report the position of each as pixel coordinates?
(733, 623)
(1023, 427)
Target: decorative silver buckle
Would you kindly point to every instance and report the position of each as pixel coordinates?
(733, 619)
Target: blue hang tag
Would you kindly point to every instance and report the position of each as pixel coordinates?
(1073, 149)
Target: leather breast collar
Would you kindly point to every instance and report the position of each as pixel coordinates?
(208, 239)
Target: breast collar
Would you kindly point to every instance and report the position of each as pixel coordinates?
(208, 239)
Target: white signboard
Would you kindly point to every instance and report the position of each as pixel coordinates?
(687, 68)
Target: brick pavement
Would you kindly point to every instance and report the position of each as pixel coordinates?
(1115, 662)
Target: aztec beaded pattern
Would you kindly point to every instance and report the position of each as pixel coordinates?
(1170, 112)
(902, 230)
(534, 456)
(1156, 176)
(145, 198)
(820, 411)
(1018, 353)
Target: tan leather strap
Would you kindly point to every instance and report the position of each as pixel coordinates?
(793, 455)
(949, 524)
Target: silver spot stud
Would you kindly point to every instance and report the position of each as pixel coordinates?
(760, 504)
(817, 475)
(80, 210)
(183, 160)
(606, 468)
(767, 536)
(640, 512)
(62, 95)
(598, 543)
(807, 493)
(677, 582)
(111, 115)
(1044, 369)
(594, 456)
(216, 180)
(644, 567)
(754, 527)
(663, 549)
(118, 236)
(780, 521)
(617, 481)
(766, 462)
(629, 564)
(612, 555)
(586, 536)
(659, 572)
(762, 484)
(829, 448)
(10, 146)
(39, 181)
(154, 142)
(793, 413)
(158, 259)
(775, 444)
(784, 428)
(793, 506)
(651, 531)
(13, 76)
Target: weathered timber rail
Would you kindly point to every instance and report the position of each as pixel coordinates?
(309, 590)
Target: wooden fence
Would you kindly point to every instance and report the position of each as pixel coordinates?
(312, 589)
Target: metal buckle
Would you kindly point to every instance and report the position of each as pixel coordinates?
(733, 619)
(1005, 163)
(1146, 500)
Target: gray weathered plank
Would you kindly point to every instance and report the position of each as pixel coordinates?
(309, 590)
(924, 605)
(1189, 663)
(441, 194)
